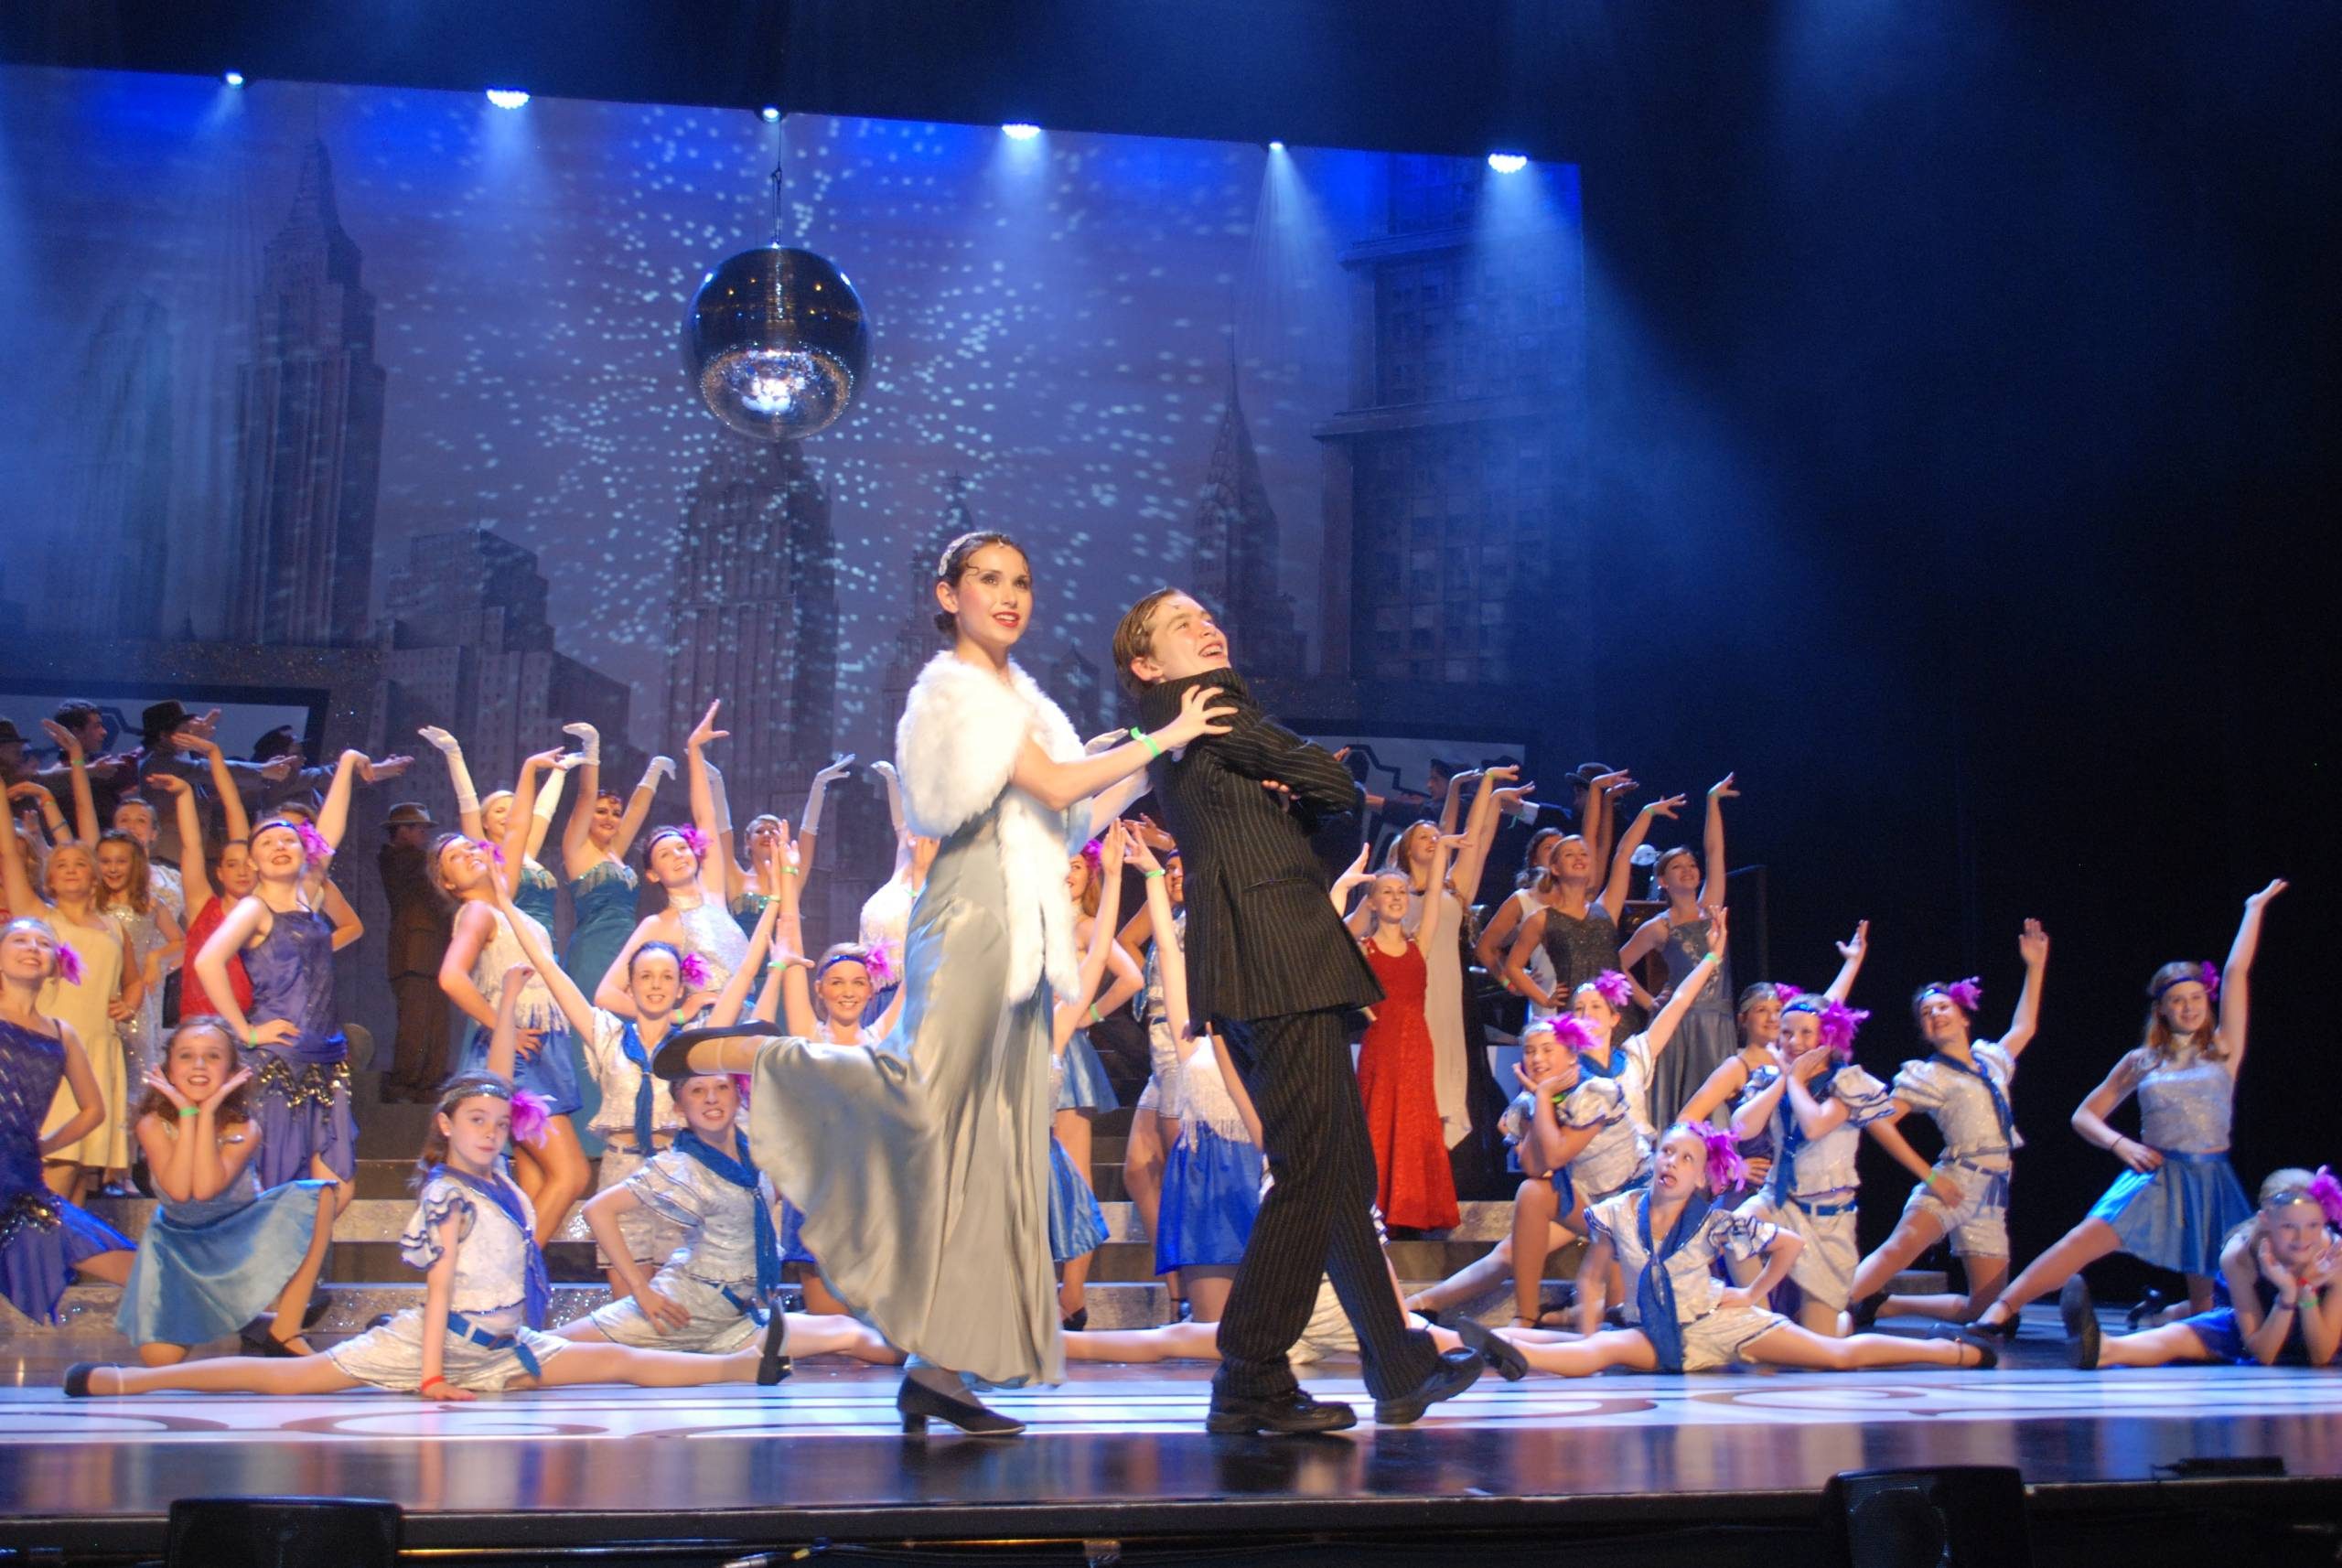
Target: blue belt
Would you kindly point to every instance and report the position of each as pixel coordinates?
(1825, 1210)
(2216, 1158)
(759, 1316)
(463, 1327)
(1996, 1191)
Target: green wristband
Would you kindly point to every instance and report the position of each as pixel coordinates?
(190, 1110)
(1145, 740)
(1151, 875)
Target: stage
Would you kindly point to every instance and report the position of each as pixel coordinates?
(1119, 1454)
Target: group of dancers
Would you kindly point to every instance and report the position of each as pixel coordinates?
(905, 1116)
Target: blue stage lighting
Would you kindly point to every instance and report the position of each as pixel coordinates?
(506, 97)
(1021, 132)
(1276, 146)
(234, 78)
(1507, 163)
(771, 111)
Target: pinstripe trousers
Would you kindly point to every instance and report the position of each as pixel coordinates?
(1317, 1219)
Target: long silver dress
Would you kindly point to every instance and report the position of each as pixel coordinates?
(922, 1161)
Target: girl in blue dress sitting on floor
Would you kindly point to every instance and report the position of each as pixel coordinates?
(219, 1250)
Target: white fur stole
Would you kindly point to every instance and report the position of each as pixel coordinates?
(955, 748)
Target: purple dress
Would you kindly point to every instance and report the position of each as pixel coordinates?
(42, 1235)
(302, 1103)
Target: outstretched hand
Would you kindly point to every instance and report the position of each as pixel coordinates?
(68, 745)
(1723, 788)
(2260, 899)
(705, 732)
(1667, 808)
(1857, 945)
(1203, 710)
(2032, 945)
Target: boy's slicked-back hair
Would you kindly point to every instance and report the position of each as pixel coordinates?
(1135, 637)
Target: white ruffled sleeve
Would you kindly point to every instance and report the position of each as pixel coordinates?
(419, 1242)
(1864, 1098)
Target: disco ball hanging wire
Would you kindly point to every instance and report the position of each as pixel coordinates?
(776, 339)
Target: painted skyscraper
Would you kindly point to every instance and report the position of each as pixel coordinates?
(309, 432)
(1236, 552)
(753, 619)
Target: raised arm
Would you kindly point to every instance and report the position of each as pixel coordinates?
(86, 826)
(520, 824)
(1171, 962)
(809, 826)
(716, 826)
(475, 922)
(1851, 953)
(887, 774)
(609, 991)
(1754, 1114)
(333, 816)
(195, 874)
(577, 856)
(1622, 860)
(733, 1000)
(1073, 1011)
(1643, 942)
(1662, 1026)
(637, 805)
(1712, 885)
(565, 993)
(1479, 831)
(2032, 946)
(1730, 1077)
(459, 778)
(1427, 929)
(237, 928)
(548, 802)
(2237, 977)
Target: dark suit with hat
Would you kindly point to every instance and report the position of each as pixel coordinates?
(1271, 968)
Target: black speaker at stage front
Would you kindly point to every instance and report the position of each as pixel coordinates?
(283, 1532)
(1957, 1517)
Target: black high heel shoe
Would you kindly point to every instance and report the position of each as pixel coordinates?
(2005, 1330)
(76, 1382)
(1500, 1354)
(773, 1364)
(2149, 1304)
(915, 1401)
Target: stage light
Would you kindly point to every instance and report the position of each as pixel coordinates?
(771, 111)
(506, 97)
(1021, 132)
(1507, 163)
(1276, 146)
(234, 78)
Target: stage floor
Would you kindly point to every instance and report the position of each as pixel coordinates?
(1122, 1449)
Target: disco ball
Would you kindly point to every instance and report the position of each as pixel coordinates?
(776, 342)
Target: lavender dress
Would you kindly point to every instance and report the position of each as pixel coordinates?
(302, 1103)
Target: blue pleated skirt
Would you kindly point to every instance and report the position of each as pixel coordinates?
(41, 1239)
(196, 1280)
(2176, 1216)
(1077, 1225)
(550, 1074)
(1212, 1194)
(1085, 1087)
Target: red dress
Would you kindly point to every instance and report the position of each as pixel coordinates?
(193, 1000)
(1412, 1181)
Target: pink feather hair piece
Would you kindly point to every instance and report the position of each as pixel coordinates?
(1966, 994)
(314, 846)
(68, 964)
(532, 1116)
(1784, 994)
(2211, 979)
(1727, 1169)
(1569, 1032)
(1614, 988)
(882, 969)
(2327, 1192)
(1836, 1023)
(740, 1082)
(691, 970)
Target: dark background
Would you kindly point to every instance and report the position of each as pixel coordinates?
(1964, 417)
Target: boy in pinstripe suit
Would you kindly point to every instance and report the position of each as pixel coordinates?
(1274, 974)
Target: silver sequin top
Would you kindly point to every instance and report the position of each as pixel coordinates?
(2184, 1109)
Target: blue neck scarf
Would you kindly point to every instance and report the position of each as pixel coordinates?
(740, 1175)
(630, 1042)
(536, 1294)
(2000, 1100)
(1618, 1065)
(1655, 1291)
(1791, 1136)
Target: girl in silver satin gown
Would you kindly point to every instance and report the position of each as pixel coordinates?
(922, 1161)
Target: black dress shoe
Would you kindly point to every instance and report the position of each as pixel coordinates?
(1865, 1312)
(1509, 1363)
(2149, 1304)
(772, 1366)
(1458, 1371)
(915, 1401)
(2080, 1315)
(77, 1378)
(1281, 1414)
(2005, 1330)
(674, 1058)
(1078, 1321)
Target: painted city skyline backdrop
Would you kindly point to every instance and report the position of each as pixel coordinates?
(470, 316)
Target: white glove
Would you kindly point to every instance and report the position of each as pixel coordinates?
(590, 741)
(838, 769)
(458, 776)
(662, 768)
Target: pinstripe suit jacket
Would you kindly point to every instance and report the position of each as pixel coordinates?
(1262, 937)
